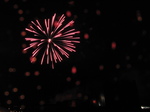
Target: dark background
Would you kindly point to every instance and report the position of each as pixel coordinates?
(109, 71)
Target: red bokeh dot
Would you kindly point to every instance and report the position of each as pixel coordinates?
(15, 6)
(74, 70)
(94, 101)
(20, 11)
(23, 33)
(77, 83)
(98, 12)
(86, 36)
(33, 59)
(68, 14)
(101, 67)
(68, 79)
(36, 73)
(71, 2)
(113, 45)
(27, 73)
(21, 18)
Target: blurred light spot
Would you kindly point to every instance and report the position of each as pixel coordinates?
(6, 93)
(23, 33)
(74, 70)
(22, 97)
(15, 90)
(15, 6)
(139, 17)
(39, 87)
(102, 100)
(79, 95)
(86, 36)
(20, 11)
(129, 66)
(86, 97)
(77, 83)
(42, 9)
(113, 45)
(68, 14)
(94, 101)
(33, 59)
(75, 16)
(27, 73)
(6, 0)
(42, 102)
(21, 19)
(101, 67)
(98, 12)
(117, 66)
(127, 57)
(85, 10)
(71, 2)
(24, 45)
(134, 43)
(68, 79)
(145, 107)
(22, 106)
(99, 104)
(36, 73)
(8, 102)
(12, 70)
(73, 104)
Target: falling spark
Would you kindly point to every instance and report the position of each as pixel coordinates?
(55, 38)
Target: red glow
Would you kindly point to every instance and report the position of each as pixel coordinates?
(23, 33)
(74, 70)
(77, 83)
(68, 13)
(86, 36)
(71, 2)
(113, 45)
(101, 67)
(94, 101)
(32, 59)
(15, 90)
(98, 12)
(15, 6)
(68, 79)
(36, 73)
(73, 104)
(20, 11)
(27, 73)
(6, 93)
(8, 101)
(22, 97)
(21, 18)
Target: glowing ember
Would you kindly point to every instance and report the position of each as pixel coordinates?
(54, 39)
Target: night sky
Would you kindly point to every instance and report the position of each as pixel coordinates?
(110, 68)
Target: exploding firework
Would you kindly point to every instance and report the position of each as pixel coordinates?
(53, 38)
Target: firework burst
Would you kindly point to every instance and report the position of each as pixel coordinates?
(53, 38)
